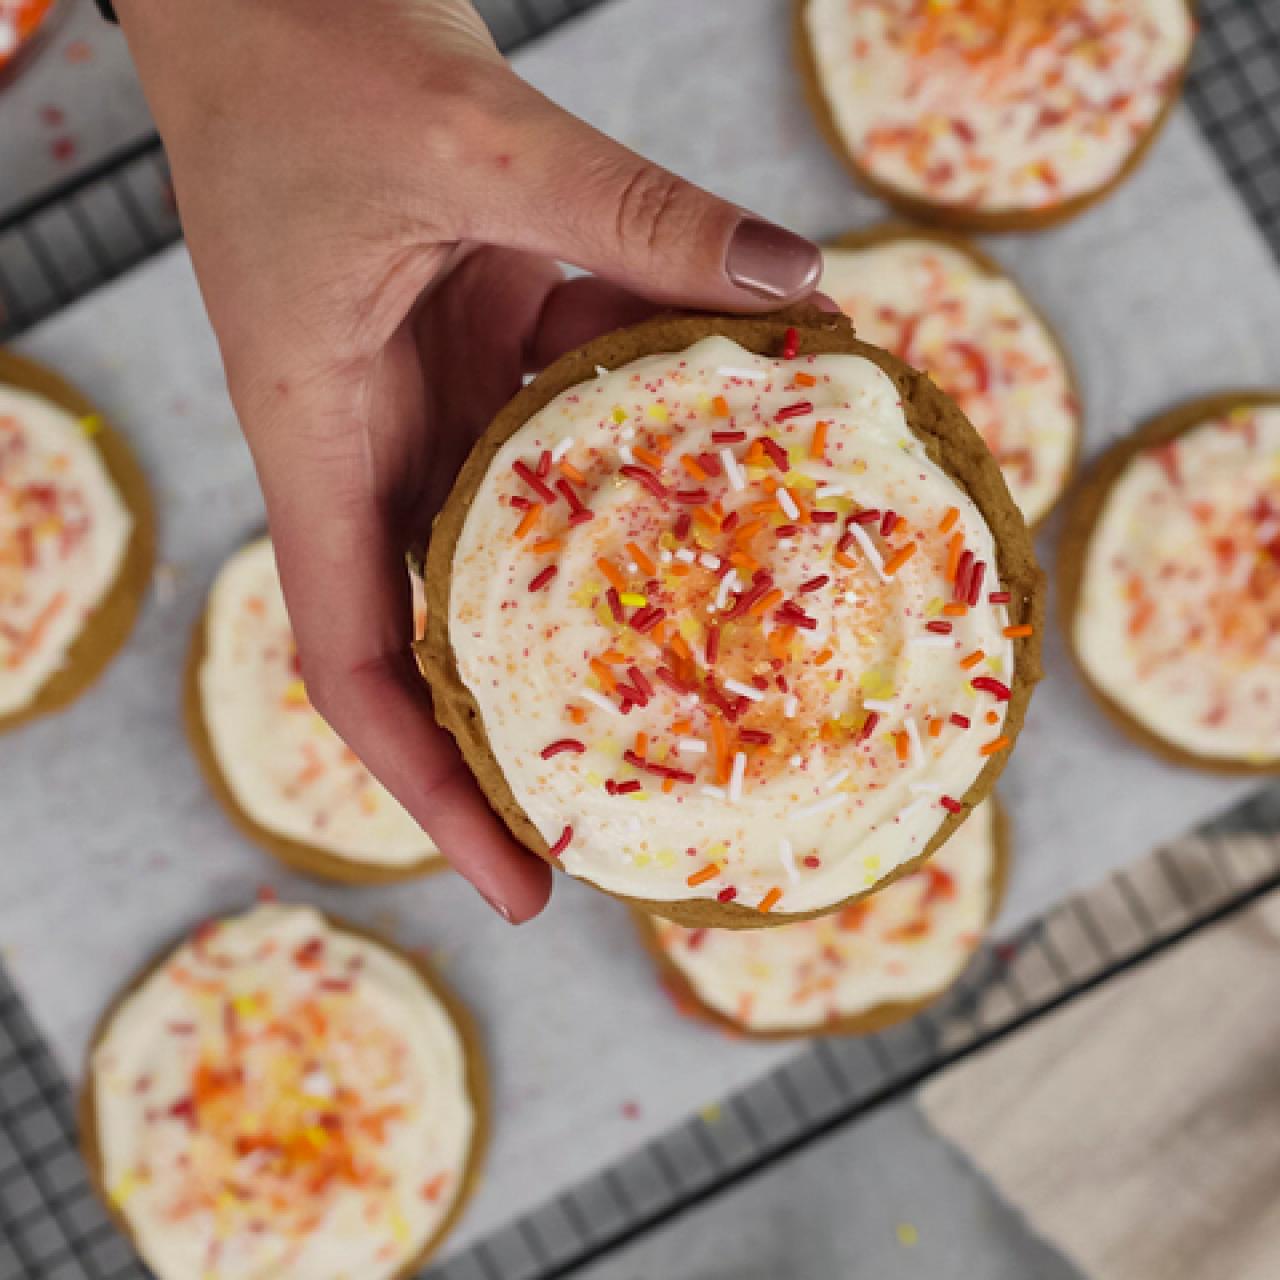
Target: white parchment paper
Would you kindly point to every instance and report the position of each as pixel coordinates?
(111, 844)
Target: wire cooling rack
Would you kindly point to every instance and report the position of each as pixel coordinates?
(60, 246)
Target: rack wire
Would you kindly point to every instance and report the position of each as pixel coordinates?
(58, 247)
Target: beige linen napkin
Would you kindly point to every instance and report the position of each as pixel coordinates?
(1138, 1128)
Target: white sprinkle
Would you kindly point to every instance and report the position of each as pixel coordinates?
(836, 779)
(597, 701)
(708, 561)
(917, 747)
(884, 708)
(691, 746)
(869, 550)
(665, 556)
(685, 556)
(624, 452)
(787, 856)
(561, 449)
(787, 503)
(931, 642)
(737, 477)
(736, 777)
(829, 491)
(691, 700)
(716, 793)
(851, 597)
(601, 371)
(728, 585)
(791, 706)
(627, 433)
(825, 805)
(746, 375)
(744, 690)
(796, 761)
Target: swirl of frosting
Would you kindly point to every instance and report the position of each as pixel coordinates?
(732, 633)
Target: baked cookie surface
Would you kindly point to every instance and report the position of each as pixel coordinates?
(735, 618)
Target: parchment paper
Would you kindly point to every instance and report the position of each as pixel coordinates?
(112, 845)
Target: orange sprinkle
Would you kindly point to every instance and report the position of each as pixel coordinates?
(972, 660)
(779, 642)
(846, 561)
(546, 546)
(1016, 633)
(528, 520)
(680, 647)
(935, 727)
(764, 505)
(902, 745)
(744, 533)
(612, 656)
(709, 872)
(682, 726)
(680, 570)
(647, 567)
(612, 572)
(603, 674)
(662, 444)
(819, 659)
(765, 603)
(647, 456)
(740, 560)
(955, 610)
(898, 559)
(720, 742)
(720, 407)
(954, 551)
(571, 472)
(668, 785)
(818, 445)
(702, 515)
(948, 521)
(659, 632)
(755, 454)
(578, 715)
(642, 743)
(769, 901)
(692, 467)
(996, 744)
(805, 380)
(993, 717)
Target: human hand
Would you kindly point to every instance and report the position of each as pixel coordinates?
(374, 204)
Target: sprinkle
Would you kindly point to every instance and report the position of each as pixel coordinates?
(961, 722)
(788, 504)
(91, 425)
(646, 478)
(777, 454)
(541, 580)
(533, 481)
(833, 782)
(562, 844)
(938, 627)
(814, 584)
(692, 466)
(913, 737)
(999, 597)
(899, 558)
(791, 706)
(602, 704)
(830, 491)
(648, 457)
(902, 746)
(955, 610)
(961, 580)
(765, 603)
(803, 379)
(647, 567)
(989, 685)
(744, 690)
(720, 407)
(728, 437)
(716, 793)
(737, 776)
(769, 901)
(702, 875)
(790, 343)
(708, 561)
(546, 546)
(935, 727)
(544, 463)
(743, 375)
(727, 894)
(728, 584)
(572, 472)
(948, 521)
(685, 556)
(996, 744)
(954, 550)
(612, 572)
(974, 590)
(756, 737)
(881, 708)
(563, 744)
(528, 520)
(614, 601)
(888, 523)
(691, 746)
(825, 805)
(559, 452)
(869, 550)
(787, 856)
(797, 410)
(1017, 633)
(950, 805)
(972, 660)
(632, 600)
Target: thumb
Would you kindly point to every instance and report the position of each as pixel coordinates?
(556, 186)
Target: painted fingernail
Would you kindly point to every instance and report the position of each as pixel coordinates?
(770, 261)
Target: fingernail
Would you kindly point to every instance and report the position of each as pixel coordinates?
(500, 907)
(770, 261)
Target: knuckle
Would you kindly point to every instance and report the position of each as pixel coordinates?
(656, 210)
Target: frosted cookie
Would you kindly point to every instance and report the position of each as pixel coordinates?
(945, 308)
(76, 542)
(283, 1096)
(862, 968)
(993, 114)
(20, 20)
(284, 776)
(732, 618)
(1170, 573)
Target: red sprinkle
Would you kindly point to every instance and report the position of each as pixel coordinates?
(988, 684)
(888, 523)
(757, 736)
(645, 477)
(824, 517)
(961, 722)
(961, 592)
(581, 516)
(811, 860)
(683, 521)
(713, 645)
(626, 788)
(532, 481)
(638, 679)
(562, 844)
(669, 678)
(814, 584)
(975, 583)
(543, 578)
(790, 344)
(939, 628)
(652, 616)
(786, 531)
(710, 463)
(797, 410)
(563, 744)
(544, 463)
(691, 497)
(950, 805)
(730, 522)
(728, 437)
(727, 894)
(520, 503)
(999, 597)
(614, 601)
(869, 516)
(868, 727)
(777, 454)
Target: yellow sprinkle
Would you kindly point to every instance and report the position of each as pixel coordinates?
(642, 860)
(632, 600)
(245, 1006)
(619, 413)
(658, 412)
(400, 1227)
(876, 684)
(295, 694)
(665, 858)
(871, 864)
(907, 1235)
(315, 1135)
(91, 425)
(125, 1188)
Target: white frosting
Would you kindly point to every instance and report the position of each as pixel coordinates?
(282, 1098)
(832, 801)
(981, 342)
(288, 770)
(996, 104)
(902, 944)
(1179, 613)
(64, 532)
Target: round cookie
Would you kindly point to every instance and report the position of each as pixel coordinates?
(622, 740)
(948, 309)
(1169, 571)
(864, 968)
(1118, 67)
(77, 542)
(23, 23)
(248, 1106)
(286, 779)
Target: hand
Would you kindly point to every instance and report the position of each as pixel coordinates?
(338, 168)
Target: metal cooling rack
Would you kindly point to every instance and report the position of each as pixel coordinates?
(60, 246)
